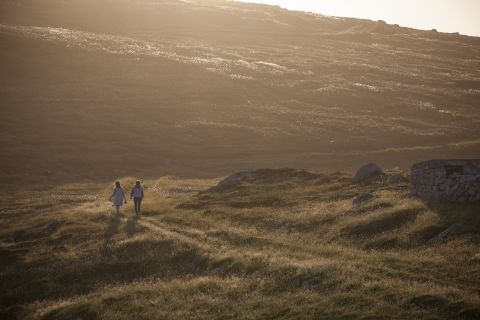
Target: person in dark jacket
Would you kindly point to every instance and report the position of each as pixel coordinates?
(137, 195)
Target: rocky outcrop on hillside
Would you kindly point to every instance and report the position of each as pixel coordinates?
(367, 172)
(447, 180)
(277, 177)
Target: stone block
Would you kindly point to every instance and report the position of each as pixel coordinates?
(451, 180)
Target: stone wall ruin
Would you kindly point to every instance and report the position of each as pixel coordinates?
(446, 180)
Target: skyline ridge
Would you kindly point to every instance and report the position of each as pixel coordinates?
(445, 16)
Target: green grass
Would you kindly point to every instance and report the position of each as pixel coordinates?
(277, 246)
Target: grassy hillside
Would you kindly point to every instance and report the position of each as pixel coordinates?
(99, 89)
(283, 244)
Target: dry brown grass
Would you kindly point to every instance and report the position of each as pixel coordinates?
(196, 254)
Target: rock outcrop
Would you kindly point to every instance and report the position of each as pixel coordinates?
(367, 172)
(396, 179)
(234, 179)
(363, 198)
(445, 233)
(446, 180)
(277, 177)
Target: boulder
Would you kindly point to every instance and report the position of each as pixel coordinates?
(363, 198)
(17, 235)
(454, 228)
(233, 180)
(306, 285)
(276, 177)
(367, 172)
(396, 179)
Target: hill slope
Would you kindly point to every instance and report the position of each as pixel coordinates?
(98, 89)
(283, 244)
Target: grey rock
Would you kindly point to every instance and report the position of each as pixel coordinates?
(445, 233)
(189, 265)
(285, 228)
(234, 179)
(363, 198)
(17, 235)
(367, 172)
(454, 180)
(396, 179)
(306, 285)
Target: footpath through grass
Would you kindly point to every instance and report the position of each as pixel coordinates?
(280, 245)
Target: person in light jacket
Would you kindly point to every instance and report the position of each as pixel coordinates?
(137, 195)
(118, 196)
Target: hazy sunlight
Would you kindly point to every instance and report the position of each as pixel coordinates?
(444, 15)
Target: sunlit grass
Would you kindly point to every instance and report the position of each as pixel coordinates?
(311, 255)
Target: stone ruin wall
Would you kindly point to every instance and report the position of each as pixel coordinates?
(446, 180)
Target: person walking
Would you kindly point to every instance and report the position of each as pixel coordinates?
(137, 194)
(118, 196)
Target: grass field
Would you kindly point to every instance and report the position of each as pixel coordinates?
(189, 90)
(283, 244)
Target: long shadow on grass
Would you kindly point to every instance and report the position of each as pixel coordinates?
(465, 214)
(384, 223)
(131, 227)
(112, 227)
